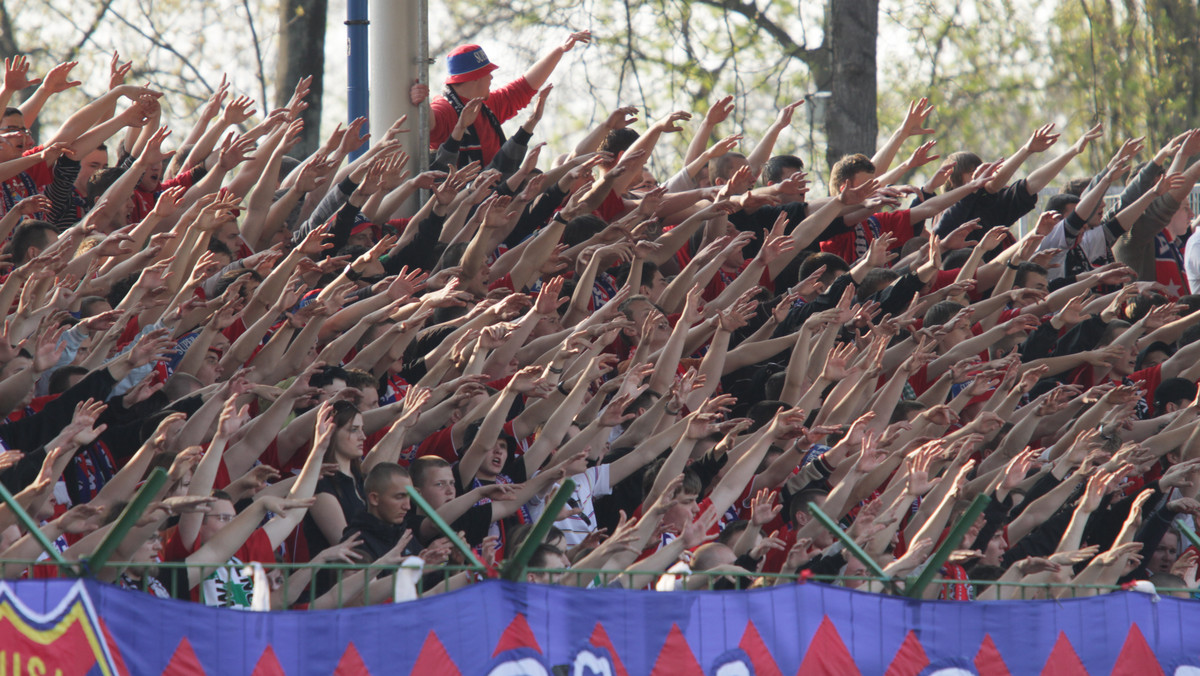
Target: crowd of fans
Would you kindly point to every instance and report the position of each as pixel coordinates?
(704, 355)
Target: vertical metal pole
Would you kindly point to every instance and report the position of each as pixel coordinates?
(441, 524)
(399, 54)
(133, 511)
(851, 546)
(951, 543)
(358, 87)
(31, 526)
(514, 568)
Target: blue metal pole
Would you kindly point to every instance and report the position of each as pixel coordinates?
(358, 86)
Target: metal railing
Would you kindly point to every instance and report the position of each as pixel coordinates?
(359, 584)
(348, 587)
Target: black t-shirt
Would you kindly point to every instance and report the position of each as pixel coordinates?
(348, 491)
(475, 524)
(1002, 208)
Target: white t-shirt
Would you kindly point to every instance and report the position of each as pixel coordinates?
(591, 483)
(1191, 261)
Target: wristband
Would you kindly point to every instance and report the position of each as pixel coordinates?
(559, 217)
(562, 391)
(1010, 266)
(351, 275)
(670, 412)
(555, 371)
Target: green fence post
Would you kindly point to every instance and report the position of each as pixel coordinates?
(1189, 534)
(444, 527)
(515, 566)
(129, 517)
(33, 529)
(915, 588)
(851, 546)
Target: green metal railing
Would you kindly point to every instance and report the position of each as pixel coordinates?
(343, 585)
(338, 585)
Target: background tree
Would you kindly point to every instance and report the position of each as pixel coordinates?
(302, 26)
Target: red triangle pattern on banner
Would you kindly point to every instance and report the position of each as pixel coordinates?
(1136, 658)
(988, 660)
(184, 662)
(433, 659)
(753, 645)
(827, 654)
(517, 635)
(910, 659)
(600, 639)
(1063, 660)
(676, 657)
(268, 664)
(351, 663)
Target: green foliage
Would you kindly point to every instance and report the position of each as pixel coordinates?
(1135, 66)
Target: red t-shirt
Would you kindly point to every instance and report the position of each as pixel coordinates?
(897, 223)
(612, 207)
(504, 103)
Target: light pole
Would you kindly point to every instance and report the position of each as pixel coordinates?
(817, 104)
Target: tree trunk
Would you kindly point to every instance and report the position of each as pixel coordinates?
(851, 125)
(302, 53)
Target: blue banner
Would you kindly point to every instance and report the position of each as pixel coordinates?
(65, 628)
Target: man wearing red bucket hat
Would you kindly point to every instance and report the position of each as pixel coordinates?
(468, 86)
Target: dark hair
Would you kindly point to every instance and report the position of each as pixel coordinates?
(1075, 187)
(965, 164)
(1173, 391)
(801, 500)
(941, 312)
(60, 380)
(343, 414)
(845, 169)
(954, 259)
(1140, 306)
(874, 281)
(424, 465)
(903, 408)
(691, 481)
(725, 166)
(1024, 269)
(581, 228)
(834, 266)
(626, 306)
(1190, 335)
(382, 474)
(86, 303)
(618, 141)
(218, 247)
(453, 254)
(100, 181)
(31, 233)
(732, 530)
(541, 556)
(1061, 201)
(1156, 346)
(287, 164)
(327, 375)
(762, 412)
(776, 166)
(359, 378)
(1191, 302)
